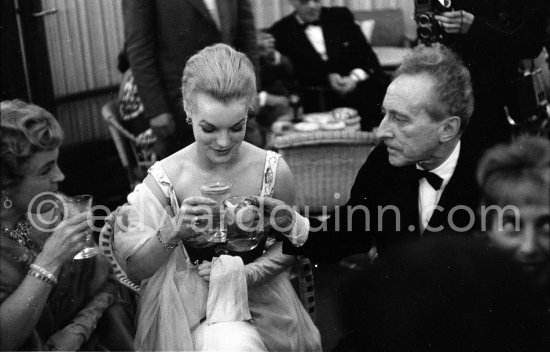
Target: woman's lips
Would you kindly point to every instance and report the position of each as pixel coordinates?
(222, 151)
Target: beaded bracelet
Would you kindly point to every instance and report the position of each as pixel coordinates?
(42, 274)
(166, 244)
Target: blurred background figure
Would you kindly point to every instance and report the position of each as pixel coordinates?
(491, 37)
(160, 37)
(334, 65)
(276, 78)
(516, 179)
(449, 294)
(48, 300)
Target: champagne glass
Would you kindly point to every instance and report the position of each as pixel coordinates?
(217, 191)
(80, 204)
(242, 223)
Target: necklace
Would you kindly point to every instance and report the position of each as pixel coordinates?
(21, 234)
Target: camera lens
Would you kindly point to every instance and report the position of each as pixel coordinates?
(425, 32)
(423, 19)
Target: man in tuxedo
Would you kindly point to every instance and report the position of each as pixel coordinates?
(420, 181)
(334, 64)
(161, 35)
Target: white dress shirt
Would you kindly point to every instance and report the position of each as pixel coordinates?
(428, 197)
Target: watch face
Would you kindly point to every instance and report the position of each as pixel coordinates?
(445, 3)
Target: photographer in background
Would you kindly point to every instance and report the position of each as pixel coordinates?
(492, 36)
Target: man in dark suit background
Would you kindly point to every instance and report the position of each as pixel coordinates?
(334, 64)
(160, 37)
(420, 181)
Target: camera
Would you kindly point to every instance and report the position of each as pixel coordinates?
(428, 30)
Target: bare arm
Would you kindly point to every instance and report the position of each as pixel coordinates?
(20, 311)
(171, 230)
(273, 261)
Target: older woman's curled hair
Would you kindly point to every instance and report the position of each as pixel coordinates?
(25, 129)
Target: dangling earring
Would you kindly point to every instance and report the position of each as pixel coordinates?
(6, 202)
(188, 120)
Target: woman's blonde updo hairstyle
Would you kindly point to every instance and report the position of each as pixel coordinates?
(220, 72)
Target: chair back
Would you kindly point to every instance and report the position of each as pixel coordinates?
(134, 162)
(303, 270)
(389, 26)
(106, 239)
(324, 165)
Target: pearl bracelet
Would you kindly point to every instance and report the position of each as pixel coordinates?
(166, 244)
(42, 274)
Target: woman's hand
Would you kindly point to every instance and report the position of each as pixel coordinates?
(455, 22)
(68, 238)
(204, 270)
(192, 220)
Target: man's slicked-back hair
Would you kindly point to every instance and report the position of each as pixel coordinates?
(220, 72)
(452, 81)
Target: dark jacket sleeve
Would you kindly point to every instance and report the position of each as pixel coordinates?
(519, 30)
(351, 228)
(139, 32)
(246, 35)
(359, 53)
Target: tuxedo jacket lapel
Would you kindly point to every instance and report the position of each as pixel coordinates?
(201, 8)
(460, 191)
(225, 15)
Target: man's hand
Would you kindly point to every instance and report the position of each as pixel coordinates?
(336, 82)
(277, 214)
(455, 22)
(266, 46)
(163, 125)
(348, 85)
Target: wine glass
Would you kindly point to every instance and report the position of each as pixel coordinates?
(217, 191)
(80, 204)
(242, 220)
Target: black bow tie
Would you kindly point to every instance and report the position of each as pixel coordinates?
(434, 180)
(312, 23)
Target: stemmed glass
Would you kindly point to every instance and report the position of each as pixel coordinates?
(75, 205)
(217, 191)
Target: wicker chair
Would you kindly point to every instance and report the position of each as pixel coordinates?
(106, 246)
(127, 144)
(324, 165)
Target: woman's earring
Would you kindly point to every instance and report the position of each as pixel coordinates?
(6, 201)
(188, 120)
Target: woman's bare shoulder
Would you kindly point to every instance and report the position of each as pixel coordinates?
(178, 162)
(253, 155)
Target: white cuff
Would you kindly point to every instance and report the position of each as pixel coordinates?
(276, 58)
(262, 98)
(358, 75)
(299, 234)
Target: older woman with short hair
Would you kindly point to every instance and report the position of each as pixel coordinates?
(262, 311)
(47, 300)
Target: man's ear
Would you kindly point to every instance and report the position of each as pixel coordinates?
(449, 129)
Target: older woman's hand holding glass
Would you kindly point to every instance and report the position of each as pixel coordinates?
(37, 246)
